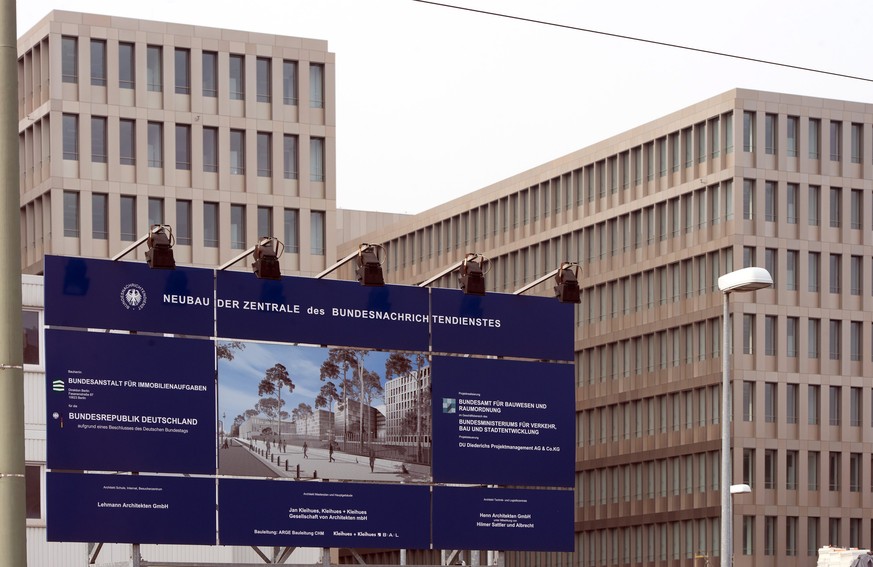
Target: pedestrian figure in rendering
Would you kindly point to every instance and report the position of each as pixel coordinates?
(330, 452)
(372, 459)
(305, 448)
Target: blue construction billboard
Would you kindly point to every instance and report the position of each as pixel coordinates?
(314, 413)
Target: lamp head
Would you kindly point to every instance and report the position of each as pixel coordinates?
(160, 252)
(472, 277)
(567, 288)
(745, 279)
(369, 270)
(266, 264)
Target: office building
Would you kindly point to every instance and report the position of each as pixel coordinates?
(224, 135)
(654, 216)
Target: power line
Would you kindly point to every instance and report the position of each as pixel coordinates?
(649, 41)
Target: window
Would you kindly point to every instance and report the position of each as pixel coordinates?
(316, 232)
(98, 139)
(770, 469)
(262, 79)
(127, 206)
(748, 333)
(99, 216)
(770, 201)
(749, 256)
(855, 532)
(30, 323)
(834, 474)
(857, 142)
(154, 64)
(769, 535)
(127, 142)
(791, 470)
(265, 154)
(792, 140)
(748, 401)
(836, 207)
(71, 136)
(791, 536)
(835, 404)
(748, 199)
(770, 133)
(237, 152)
(237, 83)
(238, 227)
(748, 131)
(812, 536)
(69, 59)
(836, 138)
(316, 85)
(155, 144)
(791, 203)
(835, 339)
(289, 155)
(183, 70)
(814, 138)
(792, 326)
(856, 208)
(813, 270)
(316, 160)
(265, 221)
(292, 230)
(855, 472)
(98, 62)
(814, 337)
(156, 211)
(835, 270)
(855, 339)
(210, 149)
(183, 222)
(791, 260)
(834, 532)
(183, 146)
(770, 335)
(855, 406)
(289, 82)
(71, 213)
(748, 535)
(770, 262)
(210, 225)
(770, 402)
(210, 74)
(856, 285)
(812, 466)
(33, 491)
(814, 205)
(813, 403)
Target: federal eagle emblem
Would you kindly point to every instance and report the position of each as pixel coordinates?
(133, 296)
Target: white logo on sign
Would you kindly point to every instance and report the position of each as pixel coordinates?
(133, 296)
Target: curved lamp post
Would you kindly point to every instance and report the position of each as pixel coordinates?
(745, 279)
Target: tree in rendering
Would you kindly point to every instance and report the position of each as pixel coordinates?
(271, 384)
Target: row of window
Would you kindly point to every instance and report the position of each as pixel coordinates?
(181, 71)
(100, 143)
(634, 230)
(773, 199)
(699, 540)
(792, 139)
(695, 342)
(183, 228)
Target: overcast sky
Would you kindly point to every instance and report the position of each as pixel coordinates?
(434, 102)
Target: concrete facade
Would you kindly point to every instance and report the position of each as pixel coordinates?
(653, 216)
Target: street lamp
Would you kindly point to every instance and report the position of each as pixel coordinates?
(745, 279)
